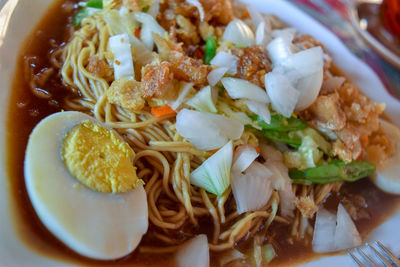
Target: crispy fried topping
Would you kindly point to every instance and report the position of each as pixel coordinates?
(157, 80)
(188, 69)
(127, 94)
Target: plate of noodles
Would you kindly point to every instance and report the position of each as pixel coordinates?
(189, 133)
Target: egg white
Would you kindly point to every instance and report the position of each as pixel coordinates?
(95, 225)
(387, 178)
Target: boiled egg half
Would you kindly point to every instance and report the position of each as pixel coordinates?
(387, 177)
(83, 186)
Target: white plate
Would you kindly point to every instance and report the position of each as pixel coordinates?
(16, 20)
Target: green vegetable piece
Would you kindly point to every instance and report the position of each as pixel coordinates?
(335, 171)
(87, 10)
(95, 3)
(79, 16)
(283, 137)
(280, 123)
(268, 253)
(210, 50)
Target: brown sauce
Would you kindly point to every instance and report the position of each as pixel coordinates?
(26, 110)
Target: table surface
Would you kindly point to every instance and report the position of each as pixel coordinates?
(333, 14)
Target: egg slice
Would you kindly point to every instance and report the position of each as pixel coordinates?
(94, 224)
(387, 177)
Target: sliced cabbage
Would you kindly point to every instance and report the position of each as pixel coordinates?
(260, 109)
(194, 253)
(334, 232)
(119, 22)
(307, 156)
(240, 88)
(199, 7)
(244, 157)
(230, 256)
(283, 95)
(253, 189)
(154, 8)
(122, 62)
(203, 100)
(149, 26)
(207, 131)
(214, 174)
(226, 60)
(216, 75)
(238, 33)
(143, 55)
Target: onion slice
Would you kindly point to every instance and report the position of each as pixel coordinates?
(283, 95)
(346, 233)
(279, 49)
(261, 109)
(240, 88)
(324, 231)
(244, 157)
(238, 33)
(226, 60)
(214, 174)
(194, 253)
(184, 91)
(207, 131)
(334, 232)
(253, 189)
(216, 75)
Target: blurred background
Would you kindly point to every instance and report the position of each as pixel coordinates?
(334, 14)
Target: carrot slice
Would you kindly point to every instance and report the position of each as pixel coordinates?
(137, 32)
(162, 111)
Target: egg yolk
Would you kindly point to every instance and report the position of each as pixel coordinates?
(99, 159)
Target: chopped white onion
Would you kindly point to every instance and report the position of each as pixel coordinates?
(149, 26)
(240, 88)
(214, 174)
(253, 189)
(332, 83)
(283, 95)
(286, 34)
(122, 62)
(280, 178)
(203, 100)
(346, 233)
(244, 157)
(207, 131)
(279, 49)
(305, 72)
(185, 89)
(260, 109)
(239, 116)
(226, 60)
(324, 231)
(238, 33)
(154, 8)
(334, 232)
(199, 7)
(216, 75)
(262, 37)
(194, 253)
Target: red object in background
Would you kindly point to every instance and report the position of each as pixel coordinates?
(391, 15)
